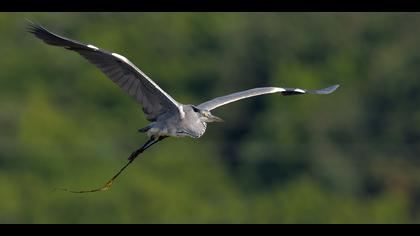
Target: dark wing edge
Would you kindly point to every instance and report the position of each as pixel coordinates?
(220, 101)
(118, 68)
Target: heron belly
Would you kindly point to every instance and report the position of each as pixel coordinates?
(156, 132)
(177, 129)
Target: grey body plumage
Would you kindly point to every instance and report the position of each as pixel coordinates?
(192, 124)
(168, 117)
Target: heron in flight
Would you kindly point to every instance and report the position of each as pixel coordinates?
(168, 117)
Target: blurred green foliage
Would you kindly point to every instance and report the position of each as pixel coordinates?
(350, 157)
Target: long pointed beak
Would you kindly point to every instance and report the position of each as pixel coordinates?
(213, 118)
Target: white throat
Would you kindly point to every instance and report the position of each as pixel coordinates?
(181, 112)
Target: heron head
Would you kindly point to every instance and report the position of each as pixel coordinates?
(206, 116)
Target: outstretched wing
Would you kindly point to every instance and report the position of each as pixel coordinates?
(119, 69)
(220, 101)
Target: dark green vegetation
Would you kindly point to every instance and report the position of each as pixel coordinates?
(352, 156)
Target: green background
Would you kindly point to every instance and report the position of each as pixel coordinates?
(349, 157)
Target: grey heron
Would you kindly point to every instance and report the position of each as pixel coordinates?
(168, 117)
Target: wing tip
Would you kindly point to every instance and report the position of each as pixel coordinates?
(331, 89)
(39, 31)
(50, 38)
(33, 27)
(327, 90)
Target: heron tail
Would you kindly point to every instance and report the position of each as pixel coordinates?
(145, 129)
